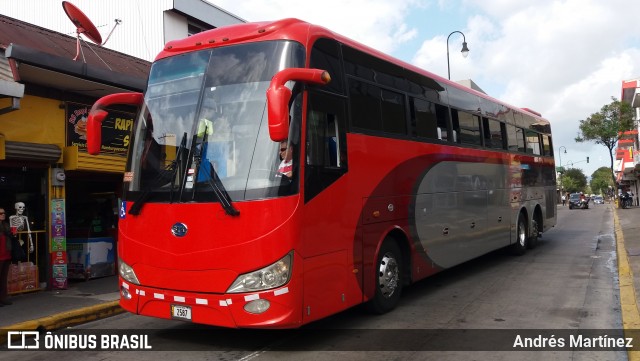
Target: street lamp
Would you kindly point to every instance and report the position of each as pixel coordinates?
(562, 169)
(464, 51)
(560, 153)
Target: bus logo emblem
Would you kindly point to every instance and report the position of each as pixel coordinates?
(179, 229)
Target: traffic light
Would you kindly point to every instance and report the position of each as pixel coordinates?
(587, 159)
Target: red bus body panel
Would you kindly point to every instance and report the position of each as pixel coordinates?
(334, 237)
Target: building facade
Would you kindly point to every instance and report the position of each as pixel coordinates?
(71, 198)
(144, 26)
(627, 159)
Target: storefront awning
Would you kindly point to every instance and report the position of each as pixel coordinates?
(49, 153)
(74, 159)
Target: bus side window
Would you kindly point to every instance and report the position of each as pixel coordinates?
(323, 145)
(455, 126)
(468, 128)
(533, 143)
(546, 145)
(512, 138)
(442, 115)
(522, 145)
(326, 148)
(428, 119)
(493, 133)
(424, 119)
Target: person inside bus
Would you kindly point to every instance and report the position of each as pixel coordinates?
(286, 156)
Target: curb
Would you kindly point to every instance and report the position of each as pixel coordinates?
(628, 303)
(65, 319)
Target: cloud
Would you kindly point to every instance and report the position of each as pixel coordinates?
(377, 23)
(565, 59)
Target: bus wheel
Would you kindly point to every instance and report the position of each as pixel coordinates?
(532, 242)
(520, 246)
(388, 278)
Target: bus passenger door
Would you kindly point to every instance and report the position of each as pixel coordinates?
(330, 214)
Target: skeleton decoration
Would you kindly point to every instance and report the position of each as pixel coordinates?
(21, 222)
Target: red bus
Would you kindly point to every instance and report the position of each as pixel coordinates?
(279, 173)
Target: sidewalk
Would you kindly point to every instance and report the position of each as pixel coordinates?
(627, 232)
(48, 310)
(97, 298)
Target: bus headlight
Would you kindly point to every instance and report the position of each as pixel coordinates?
(272, 276)
(127, 272)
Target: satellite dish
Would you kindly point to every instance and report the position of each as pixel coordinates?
(82, 22)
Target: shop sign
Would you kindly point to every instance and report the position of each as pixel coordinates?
(58, 244)
(59, 258)
(116, 129)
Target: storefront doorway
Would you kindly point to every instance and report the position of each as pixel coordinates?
(92, 221)
(28, 184)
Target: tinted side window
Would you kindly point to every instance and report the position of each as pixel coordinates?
(468, 128)
(376, 70)
(533, 143)
(392, 110)
(522, 145)
(377, 109)
(365, 105)
(429, 120)
(325, 55)
(512, 138)
(326, 143)
(494, 133)
(546, 145)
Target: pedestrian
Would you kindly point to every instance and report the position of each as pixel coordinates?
(564, 200)
(5, 257)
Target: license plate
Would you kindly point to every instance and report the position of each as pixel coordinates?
(181, 312)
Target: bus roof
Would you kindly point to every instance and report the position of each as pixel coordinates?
(306, 34)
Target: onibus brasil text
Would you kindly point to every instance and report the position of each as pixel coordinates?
(33, 341)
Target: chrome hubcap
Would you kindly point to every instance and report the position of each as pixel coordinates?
(388, 275)
(522, 234)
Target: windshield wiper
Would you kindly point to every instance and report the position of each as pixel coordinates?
(171, 169)
(178, 164)
(212, 178)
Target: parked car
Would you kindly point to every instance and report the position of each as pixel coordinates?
(598, 200)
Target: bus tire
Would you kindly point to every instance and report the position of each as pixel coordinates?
(532, 241)
(389, 268)
(520, 246)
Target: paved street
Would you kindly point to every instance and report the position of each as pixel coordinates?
(568, 283)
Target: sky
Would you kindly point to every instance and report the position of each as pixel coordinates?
(562, 58)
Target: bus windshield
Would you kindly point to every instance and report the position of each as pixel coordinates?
(204, 122)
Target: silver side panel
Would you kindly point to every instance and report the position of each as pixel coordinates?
(462, 210)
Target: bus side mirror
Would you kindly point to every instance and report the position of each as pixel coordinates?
(279, 97)
(98, 113)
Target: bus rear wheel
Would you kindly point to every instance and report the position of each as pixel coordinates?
(532, 242)
(520, 246)
(389, 268)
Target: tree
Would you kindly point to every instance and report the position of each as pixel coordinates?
(574, 180)
(601, 180)
(606, 126)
